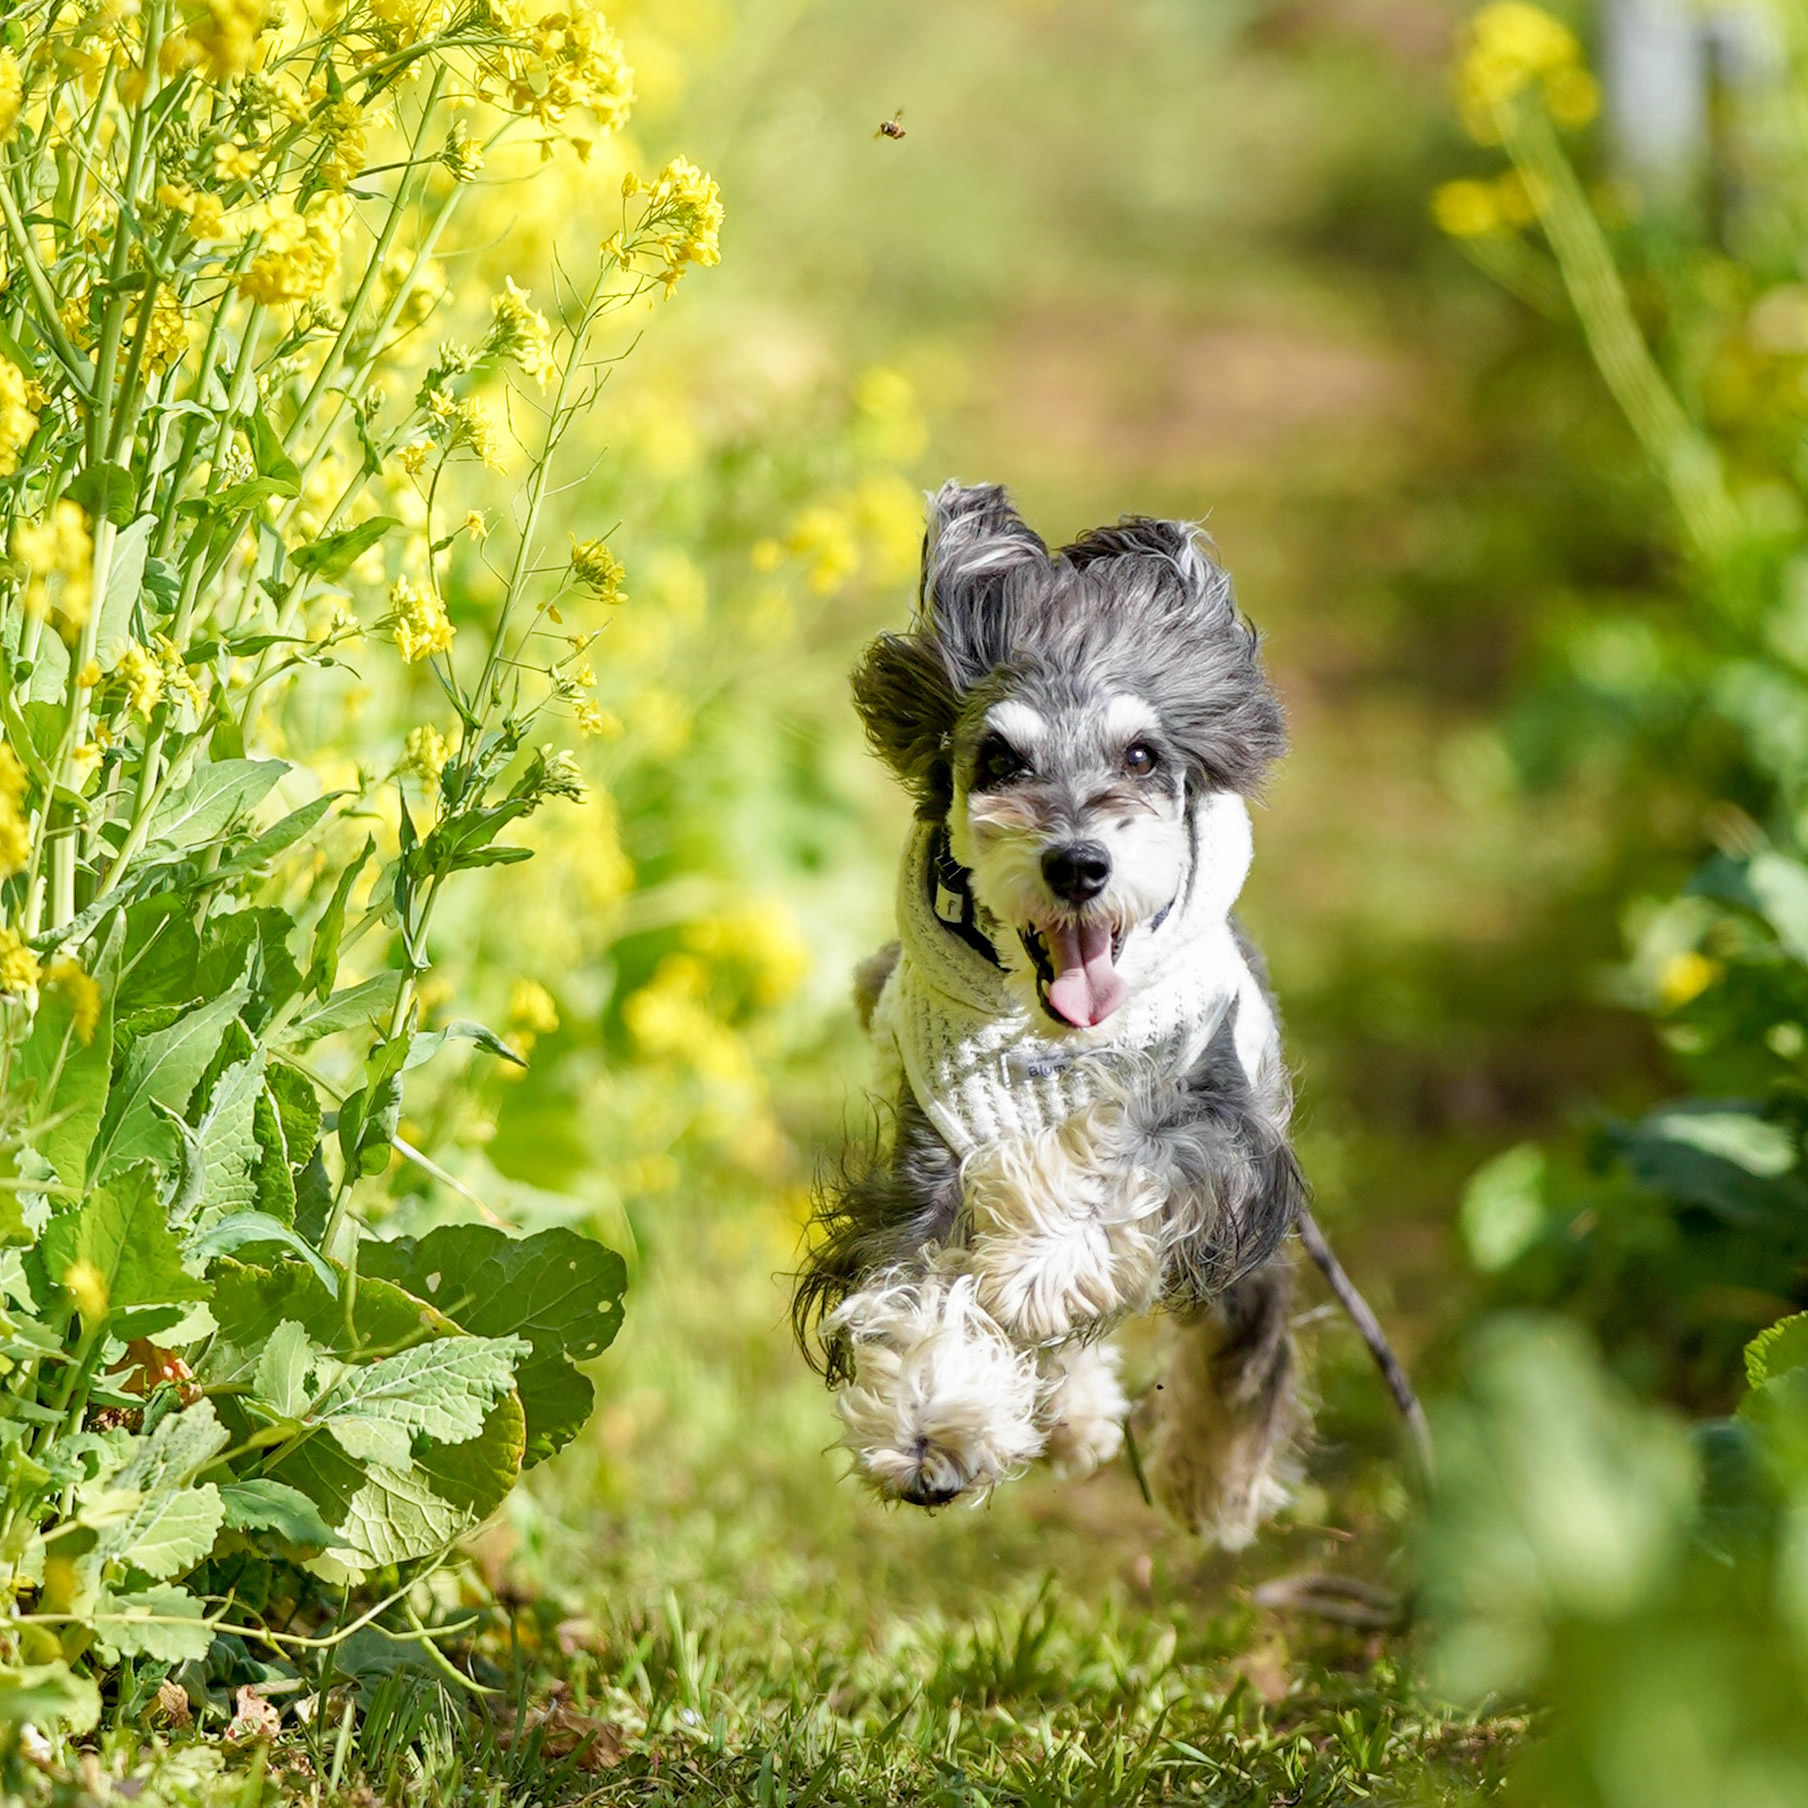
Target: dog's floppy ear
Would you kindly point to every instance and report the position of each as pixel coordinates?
(1171, 602)
(975, 554)
(909, 704)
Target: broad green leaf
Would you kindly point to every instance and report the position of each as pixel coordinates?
(251, 945)
(1780, 886)
(122, 1234)
(261, 1505)
(335, 554)
(243, 1229)
(1502, 1213)
(162, 1622)
(439, 1390)
(125, 579)
(384, 1516)
(227, 1136)
(561, 1291)
(218, 793)
(280, 835)
(67, 1077)
(323, 958)
(105, 489)
(162, 947)
(157, 1517)
(46, 1695)
(161, 1069)
(1748, 1142)
(1777, 1349)
(169, 1533)
(251, 1302)
(280, 1380)
(364, 1004)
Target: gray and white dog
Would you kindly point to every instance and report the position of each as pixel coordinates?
(1089, 1104)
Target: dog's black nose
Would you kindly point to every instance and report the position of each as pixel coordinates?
(1078, 871)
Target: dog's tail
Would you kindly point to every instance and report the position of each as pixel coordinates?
(1228, 1411)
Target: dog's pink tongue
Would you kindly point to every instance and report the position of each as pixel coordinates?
(1086, 988)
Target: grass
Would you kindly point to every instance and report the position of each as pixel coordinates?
(1039, 1700)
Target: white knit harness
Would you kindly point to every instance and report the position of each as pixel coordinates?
(985, 1068)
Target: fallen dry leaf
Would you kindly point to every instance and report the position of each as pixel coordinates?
(564, 1729)
(172, 1707)
(252, 1717)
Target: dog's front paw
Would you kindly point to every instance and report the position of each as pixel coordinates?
(1084, 1408)
(1064, 1230)
(941, 1404)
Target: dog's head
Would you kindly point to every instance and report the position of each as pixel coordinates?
(1062, 712)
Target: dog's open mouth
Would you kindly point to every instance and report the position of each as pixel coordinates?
(1076, 970)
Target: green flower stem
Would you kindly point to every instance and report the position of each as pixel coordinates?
(1683, 454)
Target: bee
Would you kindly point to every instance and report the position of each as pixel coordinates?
(893, 127)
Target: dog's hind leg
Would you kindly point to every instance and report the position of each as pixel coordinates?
(1227, 1412)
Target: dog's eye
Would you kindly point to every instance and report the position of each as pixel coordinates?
(998, 763)
(1139, 759)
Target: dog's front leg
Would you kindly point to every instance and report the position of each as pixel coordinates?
(941, 1403)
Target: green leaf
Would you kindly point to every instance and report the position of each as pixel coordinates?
(161, 1622)
(162, 1068)
(335, 554)
(261, 1505)
(561, 1291)
(227, 1138)
(125, 581)
(425, 1046)
(1780, 886)
(280, 1380)
(243, 1229)
(121, 1231)
(280, 835)
(1777, 1349)
(162, 947)
(217, 794)
(383, 1516)
(440, 1390)
(267, 450)
(53, 1060)
(368, 1002)
(46, 1695)
(323, 961)
(109, 490)
(252, 945)
(171, 1520)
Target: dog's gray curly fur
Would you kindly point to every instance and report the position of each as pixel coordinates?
(1138, 610)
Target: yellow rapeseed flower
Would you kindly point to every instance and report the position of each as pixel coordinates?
(1466, 209)
(87, 1286)
(18, 420)
(82, 994)
(531, 1008)
(12, 94)
(425, 752)
(15, 832)
(596, 723)
(1685, 976)
(19, 969)
(298, 255)
(1508, 47)
(598, 569)
(520, 331)
(142, 672)
(225, 34)
(421, 624)
(682, 223)
(57, 546)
